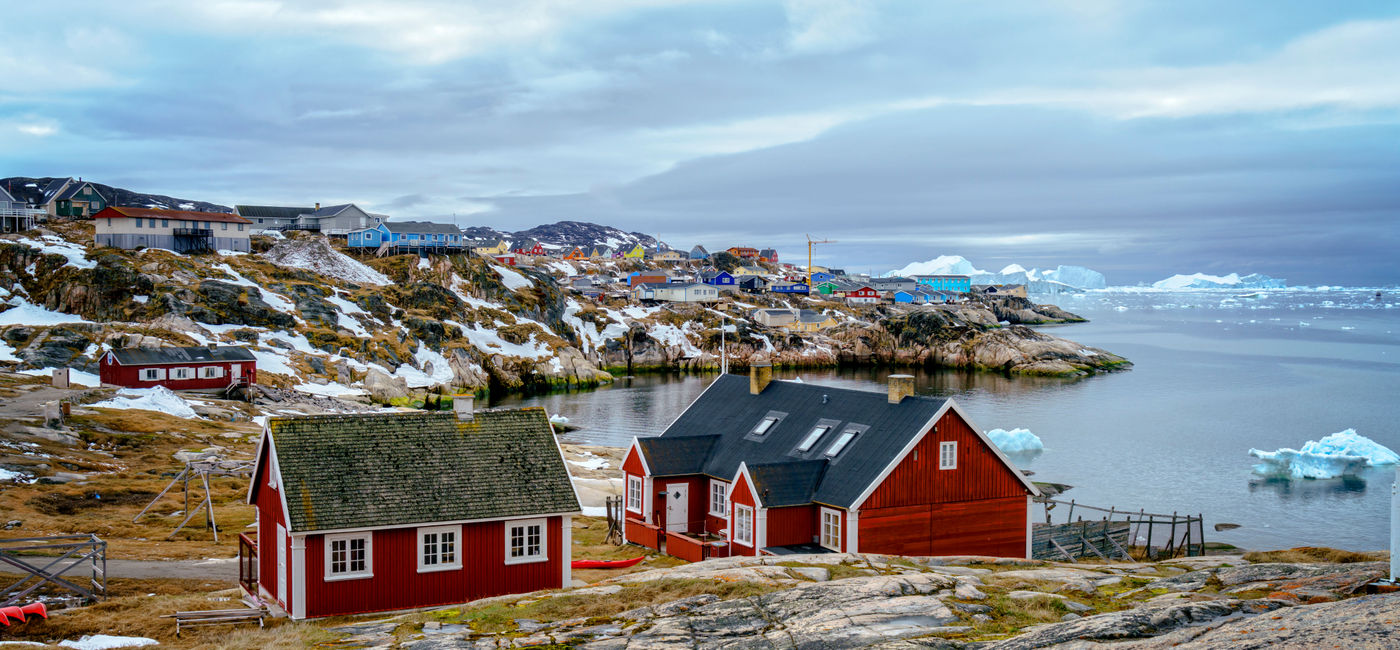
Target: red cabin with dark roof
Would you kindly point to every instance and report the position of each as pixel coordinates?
(209, 368)
(775, 467)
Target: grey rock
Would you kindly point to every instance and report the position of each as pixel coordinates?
(382, 387)
(1134, 623)
(1076, 606)
(967, 591)
(813, 573)
(1070, 617)
(1258, 573)
(969, 608)
(13, 524)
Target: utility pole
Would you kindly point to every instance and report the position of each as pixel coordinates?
(724, 352)
(811, 241)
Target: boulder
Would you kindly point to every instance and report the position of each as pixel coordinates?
(382, 387)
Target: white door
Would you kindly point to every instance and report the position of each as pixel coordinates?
(677, 507)
(235, 370)
(282, 565)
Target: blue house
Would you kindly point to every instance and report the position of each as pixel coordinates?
(717, 278)
(911, 297)
(822, 276)
(789, 287)
(408, 234)
(960, 283)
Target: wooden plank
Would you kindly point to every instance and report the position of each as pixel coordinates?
(1066, 553)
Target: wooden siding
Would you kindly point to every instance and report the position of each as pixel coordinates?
(685, 548)
(643, 534)
(697, 496)
(397, 584)
(984, 527)
(268, 502)
(741, 494)
(917, 480)
(792, 525)
(115, 374)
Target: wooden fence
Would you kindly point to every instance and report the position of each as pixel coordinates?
(73, 551)
(1112, 534)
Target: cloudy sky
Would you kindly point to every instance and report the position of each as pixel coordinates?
(1137, 138)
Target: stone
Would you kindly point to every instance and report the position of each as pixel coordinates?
(382, 387)
(813, 573)
(1076, 606)
(1144, 621)
(1070, 617)
(1032, 595)
(969, 608)
(967, 591)
(13, 524)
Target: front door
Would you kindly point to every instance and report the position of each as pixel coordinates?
(677, 510)
(282, 565)
(235, 370)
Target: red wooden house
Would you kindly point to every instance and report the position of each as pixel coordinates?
(381, 512)
(775, 467)
(210, 368)
(863, 295)
(531, 248)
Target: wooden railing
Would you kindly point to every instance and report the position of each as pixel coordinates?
(1116, 534)
(248, 563)
(643, 534)
(77, 550)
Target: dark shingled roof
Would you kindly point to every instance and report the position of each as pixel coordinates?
(786, 484)
(727, 413)
(161, 356)
(422, 227)
(354, 471)
(677, 455)
(271, 211)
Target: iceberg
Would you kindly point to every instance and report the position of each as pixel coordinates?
(941, 265)
(1016, 440)
(1231, 281)
(1340, 454)
(1062, 279)
(1077, 277)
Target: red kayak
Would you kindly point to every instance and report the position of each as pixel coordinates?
(12, 614)
(35, 609)
(606, 564)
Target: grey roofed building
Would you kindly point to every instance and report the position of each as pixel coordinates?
(699, 253)
(355, 471)
(895, 283)
(255, 212)
(198, 354)
(422, 228)
(716, 433)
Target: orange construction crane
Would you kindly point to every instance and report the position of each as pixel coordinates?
(811, 241)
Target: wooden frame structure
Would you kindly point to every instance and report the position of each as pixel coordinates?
(200, 470)
(1111, 538)
(76, 549)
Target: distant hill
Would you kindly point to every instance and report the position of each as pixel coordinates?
(31, 191)
(568, 234)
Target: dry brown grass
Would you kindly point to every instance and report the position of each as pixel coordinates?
(1316, 554)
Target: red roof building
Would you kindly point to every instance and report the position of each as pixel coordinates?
(763, 467)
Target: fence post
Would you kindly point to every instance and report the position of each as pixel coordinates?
(1201, 521)
(1151, 523)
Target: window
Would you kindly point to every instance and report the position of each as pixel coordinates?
(831, 529)
(348, 556)
(240, 227)
(260, 221)
(845, 439)
(180, 373)
(718, 505)
(765, 425)
(225, 226)
(812, 438)
(152, 374)
(164, 223)
(525, 541)
(634, 493)
(138, 223)
(743, 525)
(153, 222)
(947, 455)
(438, 548)
(211, 372)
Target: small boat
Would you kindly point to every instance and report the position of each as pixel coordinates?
(35, 609)
(606, 564)
(11, 615)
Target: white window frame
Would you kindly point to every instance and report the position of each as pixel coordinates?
(832, 541)
(841, 443)
(368, 572)
(765, 425)
(813, 436)
(719, 498)
(948, 454)
(428, 563)
(743, 534)
(634, 489)
(543, 555)
(152, 374)
(180, 373)
(205, 372)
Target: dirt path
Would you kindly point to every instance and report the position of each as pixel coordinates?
(29, 402)
(222, 569)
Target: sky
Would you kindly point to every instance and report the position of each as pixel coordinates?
(1140, 139)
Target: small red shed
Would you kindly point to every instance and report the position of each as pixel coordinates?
(777, 467)
(381, 512)
(210, 367)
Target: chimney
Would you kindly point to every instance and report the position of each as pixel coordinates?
(318, 205)
(211, 346)
(901, 386)
(462, 406)
(759, 376)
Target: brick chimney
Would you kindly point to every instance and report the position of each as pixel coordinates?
(760, 374)
(463, 405)
(901, 386)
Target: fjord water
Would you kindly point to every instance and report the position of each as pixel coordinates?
(1216, 373)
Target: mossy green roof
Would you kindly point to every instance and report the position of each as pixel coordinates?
(358, 471)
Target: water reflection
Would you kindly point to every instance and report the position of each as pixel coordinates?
(1310, 489)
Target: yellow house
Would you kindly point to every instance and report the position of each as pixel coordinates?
(670, 256)
(747, 270)
(811, 323)
(497, 247)
(636, 253)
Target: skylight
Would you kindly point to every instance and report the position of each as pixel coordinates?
(813, 437)
(846, 437)
(765, 425)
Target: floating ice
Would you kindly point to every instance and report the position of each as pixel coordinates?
(1339, 454)
(558, 419)
(1015, 440)
(157, 398)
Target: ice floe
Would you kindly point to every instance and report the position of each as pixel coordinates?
(1016, 440)
(1339, 454)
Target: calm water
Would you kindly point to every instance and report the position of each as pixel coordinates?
(1215, 374)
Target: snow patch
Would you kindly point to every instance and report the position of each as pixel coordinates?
(435, 369)
(318, 256)
(54, 245)
(1339, 454)
(75, 377)
(1015, 440)
(24, 312)
(513, 281)
(274, 300)
(331, 389)
(157, 398)
(107, 641)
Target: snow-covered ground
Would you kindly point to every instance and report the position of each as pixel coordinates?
(107, 642)
(54, 245)
(1339, 454)
(329, 389)
(158, 398)
(435, 369)
(274, 300)
(75, 377)
(512, 280)
(318, 256)
(22, 312)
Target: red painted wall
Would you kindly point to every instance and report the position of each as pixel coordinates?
(978, 508)
(130, 376)
(697, 498)
(268, 501)
(742, 495)
(632, 466)
(398, 585)
(713, 523)
(792, 525)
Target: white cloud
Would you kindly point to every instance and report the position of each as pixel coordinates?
(823, 26)
(37, 130)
